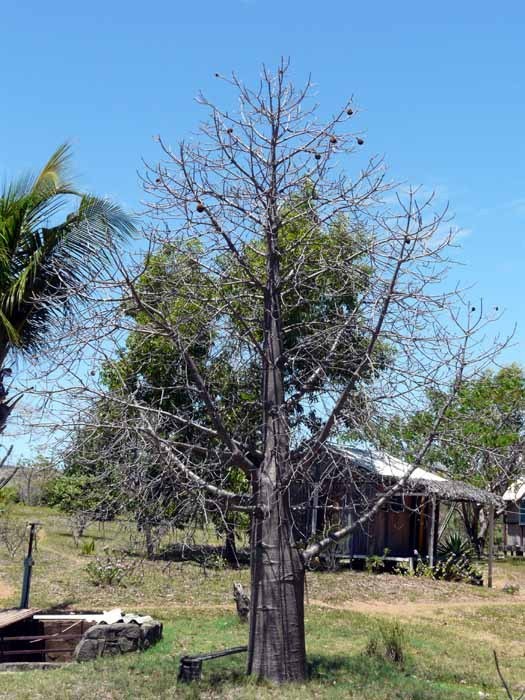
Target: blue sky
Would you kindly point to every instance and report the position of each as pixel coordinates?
(440, 85)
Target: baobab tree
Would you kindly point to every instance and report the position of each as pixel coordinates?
(320, 294)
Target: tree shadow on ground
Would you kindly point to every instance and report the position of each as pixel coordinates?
(363, 670)
(203, 554)
(356, 676)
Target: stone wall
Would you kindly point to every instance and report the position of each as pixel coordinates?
(117, 638)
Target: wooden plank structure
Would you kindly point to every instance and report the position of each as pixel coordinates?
(14, 615)
(190, 668)
(24, 638)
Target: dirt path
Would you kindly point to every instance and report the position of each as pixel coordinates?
(402, 610)
(427, 609)
(6, 591)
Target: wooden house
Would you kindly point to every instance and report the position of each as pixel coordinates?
(514, 518)
(346, 482)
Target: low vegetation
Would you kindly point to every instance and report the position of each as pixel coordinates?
(372, 637)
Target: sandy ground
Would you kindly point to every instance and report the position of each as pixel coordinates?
(5, 590)
(418, 610)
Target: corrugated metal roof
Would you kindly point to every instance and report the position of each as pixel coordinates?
(515, 492)
(9, 617)
(387, 465)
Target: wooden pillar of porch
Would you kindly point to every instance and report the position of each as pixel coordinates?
(491, 545)
(431, 534)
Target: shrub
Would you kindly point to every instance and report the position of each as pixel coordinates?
(109, 570)
(373, 646)
(455, 546)
(403, 569)
(394, 641)
(388, 642)
(375, 563)
(12, 533)
(88, 547)
(449, 569)
(8, 495)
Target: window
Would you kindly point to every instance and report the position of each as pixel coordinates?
(397, 503)
(522, 511)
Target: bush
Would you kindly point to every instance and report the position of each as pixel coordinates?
(455, 546)
(69, 493)
(453, 569)
(109, 570)
(393, 638)
(403, 569)
(9, 494)
(455, 563)
(389, 643)
(449, 569)
(375, 563)
(13, 534)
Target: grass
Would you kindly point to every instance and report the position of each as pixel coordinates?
(449, 630)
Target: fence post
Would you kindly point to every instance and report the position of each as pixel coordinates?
(28, 565)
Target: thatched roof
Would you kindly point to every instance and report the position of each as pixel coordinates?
(451, 490)
(419, 480)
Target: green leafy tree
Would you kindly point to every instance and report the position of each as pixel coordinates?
(480, 441)
(149, 368)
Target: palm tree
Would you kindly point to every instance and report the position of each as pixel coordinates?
(53, 239)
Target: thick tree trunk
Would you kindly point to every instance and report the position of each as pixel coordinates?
(482, 530)
(149, 539)
(276, 649)
(277, 641)
(5, 406)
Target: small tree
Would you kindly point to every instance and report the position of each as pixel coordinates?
(32, 477)
(338, 339)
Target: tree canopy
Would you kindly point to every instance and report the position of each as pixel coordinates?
(481, 439)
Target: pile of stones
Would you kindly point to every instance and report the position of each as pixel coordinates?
(134, 633)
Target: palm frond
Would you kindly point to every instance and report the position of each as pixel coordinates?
(9, 329)
(54, 175)
(42, 265)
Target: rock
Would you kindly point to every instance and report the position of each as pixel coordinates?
(16, 666)
(125, 645)
(150, 633)
(87, 650)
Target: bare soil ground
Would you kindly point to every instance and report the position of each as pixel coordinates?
(6, 591)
